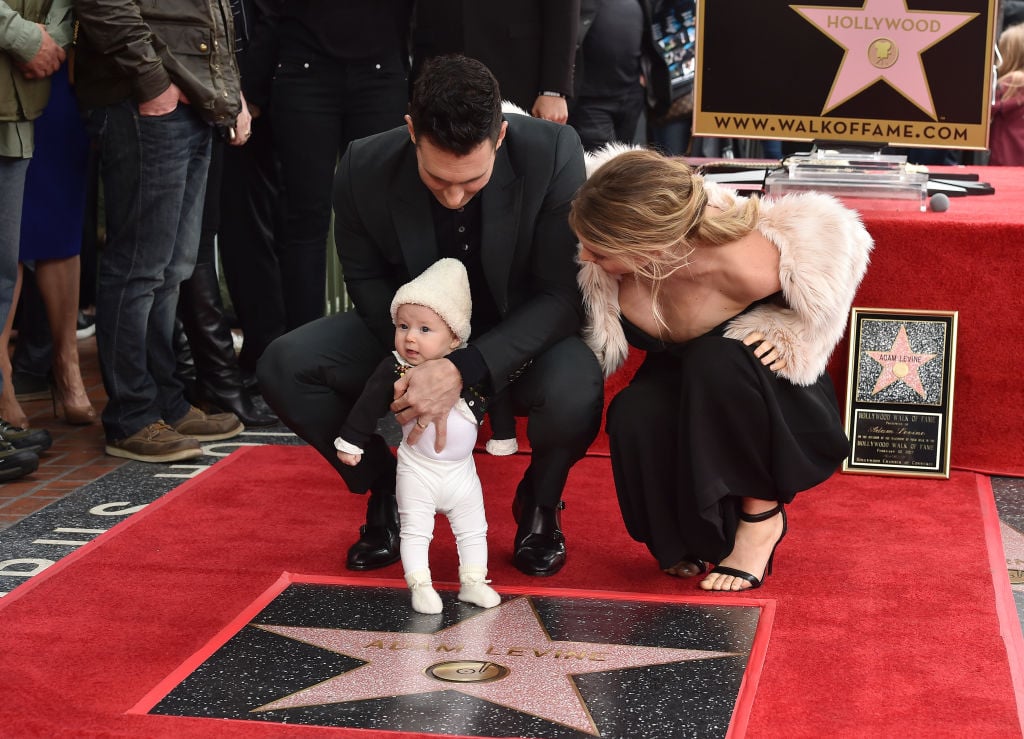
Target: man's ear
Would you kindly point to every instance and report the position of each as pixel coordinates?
(501, 134)
(412, 132)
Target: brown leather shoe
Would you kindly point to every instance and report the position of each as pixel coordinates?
(208, 427)
(158, 442)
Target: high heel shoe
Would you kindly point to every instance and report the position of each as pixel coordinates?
(74, 415)
(756, 582)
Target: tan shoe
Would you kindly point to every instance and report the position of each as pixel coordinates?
(158, 442)
(208, 427)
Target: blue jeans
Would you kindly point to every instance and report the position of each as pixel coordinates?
(154, 177)
(12, 191)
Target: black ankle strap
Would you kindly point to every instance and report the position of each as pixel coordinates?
(758, 517)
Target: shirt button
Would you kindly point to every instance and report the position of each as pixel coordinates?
(305, 65)
(465, 247)
(377, 66)
(462, 229)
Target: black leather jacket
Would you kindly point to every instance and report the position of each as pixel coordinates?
(131, 49)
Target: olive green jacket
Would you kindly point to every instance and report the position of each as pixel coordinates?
(20, 40)
(129, 49)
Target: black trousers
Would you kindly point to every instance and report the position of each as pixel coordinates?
(312, 376)
(603, 120)
(319, 105)
(251, 217)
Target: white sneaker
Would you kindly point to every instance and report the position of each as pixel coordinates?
(475, 589)
(502, 447)
(424, 598)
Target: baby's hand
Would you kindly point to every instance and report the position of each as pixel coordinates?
(350, 459)
(766, 352)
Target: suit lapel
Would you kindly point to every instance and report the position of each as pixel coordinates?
(413, 219)
(502, 201)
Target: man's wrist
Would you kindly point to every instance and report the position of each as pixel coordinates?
(470, 364)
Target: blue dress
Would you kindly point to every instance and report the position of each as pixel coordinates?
(54, 209)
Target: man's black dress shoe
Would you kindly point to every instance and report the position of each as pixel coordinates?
(539, 544)
(378, 538)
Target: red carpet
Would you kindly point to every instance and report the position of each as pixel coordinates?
(886, 620)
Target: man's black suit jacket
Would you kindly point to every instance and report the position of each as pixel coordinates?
(384, 233)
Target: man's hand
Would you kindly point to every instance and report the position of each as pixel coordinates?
(766, 352)
(163, 103)
(46, 61)
(550, 108)
(243, 125)
(427, 394)
(350, 459)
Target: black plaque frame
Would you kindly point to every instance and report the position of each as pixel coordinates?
(899, 395)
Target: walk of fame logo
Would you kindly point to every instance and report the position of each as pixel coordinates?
(357, 656)
(894, 58)
(883, 53)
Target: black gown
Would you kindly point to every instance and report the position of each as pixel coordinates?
(703, 424)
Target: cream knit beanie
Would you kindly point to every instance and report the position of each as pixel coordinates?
(444, 288)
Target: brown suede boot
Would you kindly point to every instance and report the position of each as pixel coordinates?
(157, 442)
(208, 427)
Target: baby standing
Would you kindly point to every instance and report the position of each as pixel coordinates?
(432, 318)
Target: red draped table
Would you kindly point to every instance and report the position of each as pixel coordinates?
(968, 259)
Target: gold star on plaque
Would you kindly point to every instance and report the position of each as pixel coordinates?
(503, 655)
(900, 363)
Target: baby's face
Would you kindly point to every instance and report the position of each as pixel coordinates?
(420, 334)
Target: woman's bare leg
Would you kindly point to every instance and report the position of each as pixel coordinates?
(754, 545)
(10, 408)
(58, 281)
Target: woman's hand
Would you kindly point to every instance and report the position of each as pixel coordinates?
(766, 352)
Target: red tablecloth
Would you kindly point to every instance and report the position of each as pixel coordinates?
(968, 259)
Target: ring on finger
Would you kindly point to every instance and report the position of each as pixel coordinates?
(420, 425)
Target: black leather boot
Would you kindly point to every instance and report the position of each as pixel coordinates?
(219, 383)
(378, 538)
(539, 544)
(185, 367)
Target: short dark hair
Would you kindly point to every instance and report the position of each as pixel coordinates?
(456, 102)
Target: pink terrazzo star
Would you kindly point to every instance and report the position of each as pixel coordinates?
(504, 654)
(900, 363)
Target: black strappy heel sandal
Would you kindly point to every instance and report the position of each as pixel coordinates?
(756, 518)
